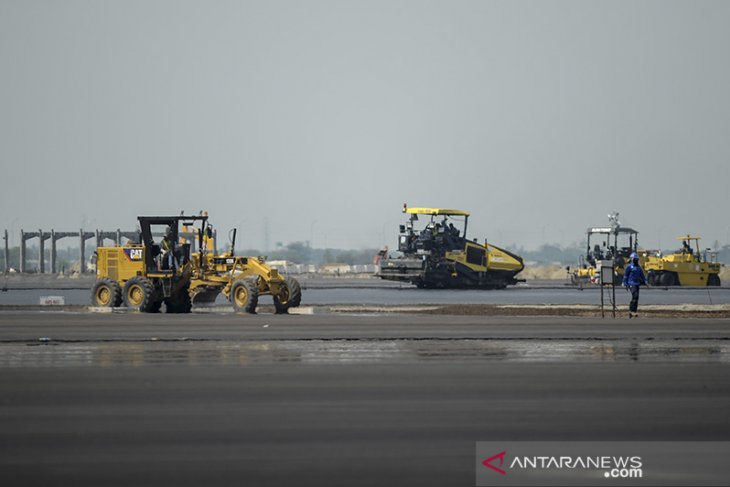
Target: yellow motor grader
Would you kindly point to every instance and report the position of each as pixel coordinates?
(146, 274)
(242, 280)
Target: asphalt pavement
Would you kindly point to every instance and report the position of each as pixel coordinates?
(224, 399)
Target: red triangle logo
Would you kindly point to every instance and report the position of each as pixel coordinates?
(488, 462)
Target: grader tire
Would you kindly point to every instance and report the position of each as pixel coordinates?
(295, 292)
(106, 293)
(138, 295)
(290, 297)
(713, 280)
(245, 296)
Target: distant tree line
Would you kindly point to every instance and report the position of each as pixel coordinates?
(548, 254)
(301, 253)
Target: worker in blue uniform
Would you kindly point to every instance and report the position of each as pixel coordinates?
(633, 280)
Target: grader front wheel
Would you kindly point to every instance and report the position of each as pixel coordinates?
(290, 296)
(245, 296)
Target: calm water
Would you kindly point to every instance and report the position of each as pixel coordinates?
(217, 353)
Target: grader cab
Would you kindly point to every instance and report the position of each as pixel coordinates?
(143, 275)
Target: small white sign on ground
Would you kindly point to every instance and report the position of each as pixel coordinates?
(53, 301)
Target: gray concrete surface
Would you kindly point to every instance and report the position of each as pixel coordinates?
(413, 296)
(90, 399)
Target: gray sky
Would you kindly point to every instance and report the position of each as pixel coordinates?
(326, 116)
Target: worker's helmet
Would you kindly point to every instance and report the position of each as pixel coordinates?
(633, 256)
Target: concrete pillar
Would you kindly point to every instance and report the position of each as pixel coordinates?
(7, 252)
(22, 251)
(53, 251)
(82, 252)
(41, 252)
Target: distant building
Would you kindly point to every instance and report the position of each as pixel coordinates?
(286, 267)
(335, 269)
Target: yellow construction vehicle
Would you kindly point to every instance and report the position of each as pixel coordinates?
(686, 267)
(144, 275)
(440, 255)
(242, 280)
(613, 242)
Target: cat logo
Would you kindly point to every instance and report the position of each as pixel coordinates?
(133, 254)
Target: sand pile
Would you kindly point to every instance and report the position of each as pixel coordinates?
(544, 272)
(725, 275)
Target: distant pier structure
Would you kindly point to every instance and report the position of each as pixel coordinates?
(99, 236)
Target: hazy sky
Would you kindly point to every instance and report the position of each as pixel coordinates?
(324, 117)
